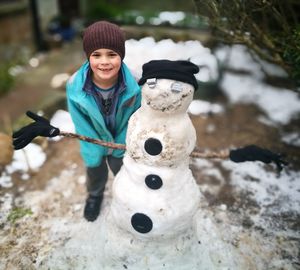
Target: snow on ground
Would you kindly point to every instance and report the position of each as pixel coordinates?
(198, 107)
(62, 120)
(272, 195)
(31, 158)
(191, 50)
(261, 183)
(251, 89)
(280, 105)
(266, 204)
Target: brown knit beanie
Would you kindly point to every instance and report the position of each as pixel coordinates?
(104, 35)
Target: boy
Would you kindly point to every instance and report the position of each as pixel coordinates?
(102, 95)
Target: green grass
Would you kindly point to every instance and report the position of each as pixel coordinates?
(18, 213)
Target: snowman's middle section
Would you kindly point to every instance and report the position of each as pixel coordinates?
(153, 200)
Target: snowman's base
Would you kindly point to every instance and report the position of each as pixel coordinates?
(200, 247)
(123, 250)
(100, 245)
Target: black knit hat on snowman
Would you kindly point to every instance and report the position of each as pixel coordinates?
(179, 70)
(104, 35)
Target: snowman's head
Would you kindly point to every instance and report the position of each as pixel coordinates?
(167, 95)
(168, 86)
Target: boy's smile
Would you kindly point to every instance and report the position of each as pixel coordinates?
(105, 64)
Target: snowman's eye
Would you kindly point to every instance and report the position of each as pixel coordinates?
(151, 82)
(176, 87)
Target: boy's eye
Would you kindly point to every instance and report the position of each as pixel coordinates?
(108, 54)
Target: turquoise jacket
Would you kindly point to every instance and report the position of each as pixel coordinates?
(89, 121)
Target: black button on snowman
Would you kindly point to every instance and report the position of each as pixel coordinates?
(153, 146)
(155, 194)
(153, 181)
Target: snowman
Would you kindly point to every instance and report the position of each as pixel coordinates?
(155, 196)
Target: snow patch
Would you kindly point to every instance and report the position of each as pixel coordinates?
(32, 157)
(266, 187)
(292, 138)
(62, 120)
(59, 80)
(168, 49)
(273, 101)
(198, 107)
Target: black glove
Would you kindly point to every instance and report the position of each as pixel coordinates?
(255, 153)
(41, 127)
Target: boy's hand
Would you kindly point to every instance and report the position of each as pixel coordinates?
(255, 153)
(41, 127)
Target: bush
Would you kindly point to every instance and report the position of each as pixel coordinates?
(291, 53)
(101, 10)
(6, 79)
(269, 28)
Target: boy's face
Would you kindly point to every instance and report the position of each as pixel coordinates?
(105, 64)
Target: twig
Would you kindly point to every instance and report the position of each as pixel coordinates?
(224, 154)
(95, 141)
(30, 170)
